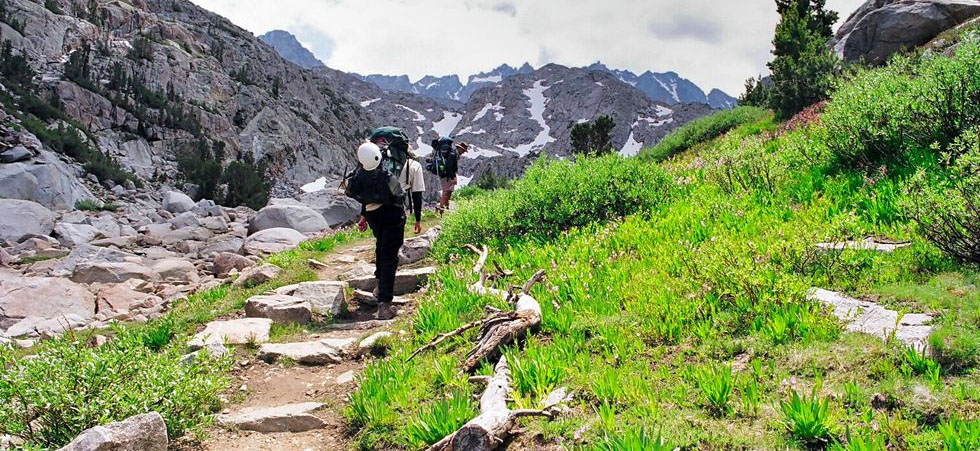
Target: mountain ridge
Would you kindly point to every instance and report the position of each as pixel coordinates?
(668, 87)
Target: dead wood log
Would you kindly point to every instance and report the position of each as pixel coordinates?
(496, 421)
(500, 328)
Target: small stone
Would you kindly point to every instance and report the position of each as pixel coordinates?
(258, 275)
(346, 378)
(367, 345)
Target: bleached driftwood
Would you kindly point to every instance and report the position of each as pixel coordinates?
(496, 421)
(500, 328)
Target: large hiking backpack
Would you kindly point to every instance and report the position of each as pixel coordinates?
(442, 161)
(394, 144)
(379, 186)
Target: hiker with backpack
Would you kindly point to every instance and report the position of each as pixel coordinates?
(387, 177)
(444, 162)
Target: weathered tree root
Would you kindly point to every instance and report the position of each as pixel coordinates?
(500, 328)
(495, 422)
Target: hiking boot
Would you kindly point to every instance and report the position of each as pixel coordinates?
(385, 311)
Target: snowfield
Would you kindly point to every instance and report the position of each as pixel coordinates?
(538, 102)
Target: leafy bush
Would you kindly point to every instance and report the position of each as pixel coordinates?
(557, 195)
(702, 130)
(70, 387)
(94, 205)
(490, 181)
(807, 418)
(947, 210)
(892, 114)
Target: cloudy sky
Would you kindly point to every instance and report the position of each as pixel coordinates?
(715, 43)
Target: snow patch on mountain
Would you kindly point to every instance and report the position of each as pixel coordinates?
(538, 102)
(368, 103)
(491, 79)
(319, 184)
(632, 147)
(447, 124)
(419, 117)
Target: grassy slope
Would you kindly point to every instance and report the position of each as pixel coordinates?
(644, 317)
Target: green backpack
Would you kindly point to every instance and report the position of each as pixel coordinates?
(394, 144)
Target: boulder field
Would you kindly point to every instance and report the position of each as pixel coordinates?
(63, 269)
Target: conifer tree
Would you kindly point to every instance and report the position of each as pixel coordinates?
(804, 64)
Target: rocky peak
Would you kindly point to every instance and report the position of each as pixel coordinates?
(720, 100)
(511, 122)
(290, 48)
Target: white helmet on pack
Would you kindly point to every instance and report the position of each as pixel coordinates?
(369, 154)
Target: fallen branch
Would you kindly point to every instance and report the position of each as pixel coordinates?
(501, 327)
(495, 422)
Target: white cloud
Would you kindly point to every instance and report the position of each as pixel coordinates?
(714, 43)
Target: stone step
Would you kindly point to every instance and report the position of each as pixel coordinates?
(279, 308)
(306, 353)
(366, 298)
(868, 244)
(873, 319)
(407, 281)
(326, 298)
(233, 332)
(287, 418)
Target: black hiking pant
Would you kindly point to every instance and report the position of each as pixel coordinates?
(388, 226)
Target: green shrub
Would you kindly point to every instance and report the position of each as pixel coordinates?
(490, 181)
(555, 196)
(94, 205)
(702, 130)
(947, 207)
(891, 115)
(807, 418)
(956, 347)
(69, 387)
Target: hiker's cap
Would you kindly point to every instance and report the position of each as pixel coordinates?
(462, 147)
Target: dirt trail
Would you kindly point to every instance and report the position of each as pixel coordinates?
(258, 384)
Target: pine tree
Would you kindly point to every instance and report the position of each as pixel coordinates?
(593, 138)
(804, 64)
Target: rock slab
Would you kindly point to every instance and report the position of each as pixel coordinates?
(872, 319)
(146, 432)
(288, 418)
(287, 215)
(270, 241)
(22, 218)
(408, 281)
(326, 298)
(306, 353)
(880, 28)
(233, 332)
(279, 308)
